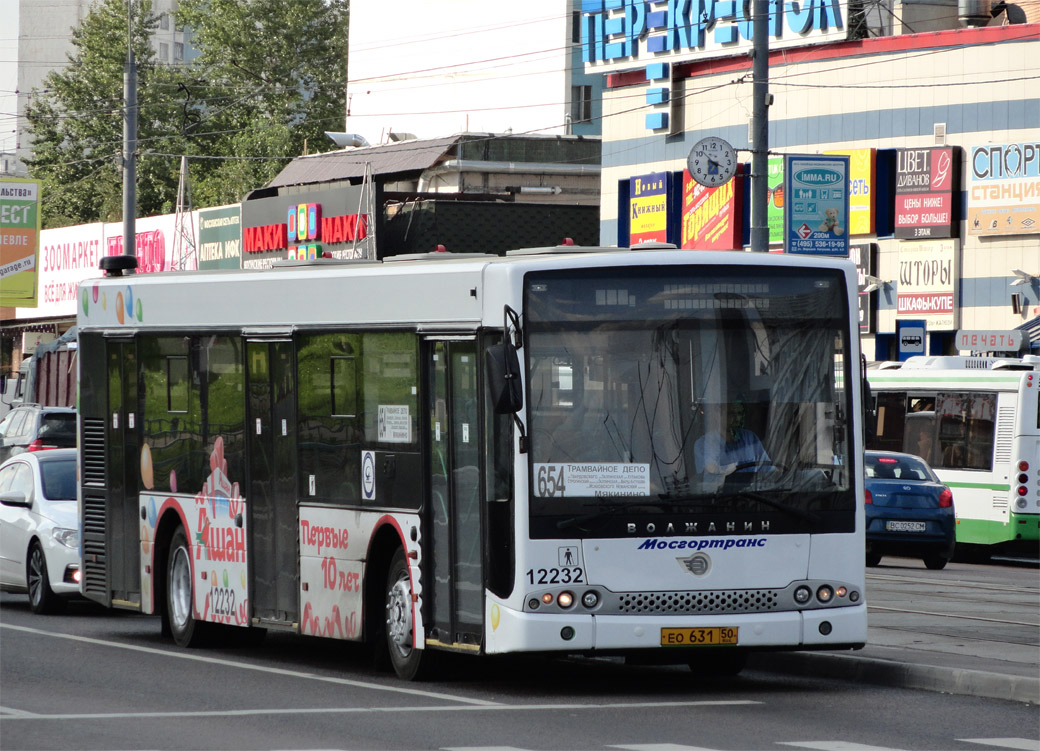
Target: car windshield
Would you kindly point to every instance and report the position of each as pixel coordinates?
(898, 468)
(59, 479)
(659, 390)
(56, 425)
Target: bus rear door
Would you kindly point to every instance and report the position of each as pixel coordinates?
(271, 488)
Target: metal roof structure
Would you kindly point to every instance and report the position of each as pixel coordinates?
(347, 164)
(1032, 332)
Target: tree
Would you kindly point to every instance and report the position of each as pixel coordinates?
(77, 122)
(271, 76)
(269, 79)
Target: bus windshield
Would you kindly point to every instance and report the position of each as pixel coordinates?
(687, 390)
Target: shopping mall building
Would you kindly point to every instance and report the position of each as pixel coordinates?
(937, 108)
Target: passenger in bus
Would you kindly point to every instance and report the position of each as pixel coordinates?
(953, 456)
(719, 453)
(922, 445)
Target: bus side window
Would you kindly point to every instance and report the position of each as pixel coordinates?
(891, 413)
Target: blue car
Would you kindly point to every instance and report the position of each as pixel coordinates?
(909, 510)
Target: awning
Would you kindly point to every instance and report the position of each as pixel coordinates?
(387, 159)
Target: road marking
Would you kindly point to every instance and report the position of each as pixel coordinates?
(483, 707)
(949, 615)
(661, 747)
(838, 746)
(10, 712)
(257, 668)
(1020, 744)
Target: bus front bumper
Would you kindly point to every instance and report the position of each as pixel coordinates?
(513, 631)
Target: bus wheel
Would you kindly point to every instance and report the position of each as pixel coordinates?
(186, 631)
(873, 559)
(406, 659)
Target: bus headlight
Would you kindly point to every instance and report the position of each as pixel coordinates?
(565, 599)
(590, 599)
(825, 593)
(802, 595)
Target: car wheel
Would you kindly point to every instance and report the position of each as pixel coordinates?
(409, 663)
(873, 559)
(42, 599)
(180, 610)
(936, 562)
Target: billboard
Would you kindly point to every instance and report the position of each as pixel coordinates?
(862, 189)
(864, 255)
(19, 241)
(816, 216)
(925, 183)
(648, 208)
(68, 255)
(928, 283)
(712, 217)
(337, 223)
(1004, 189)
(220, 237)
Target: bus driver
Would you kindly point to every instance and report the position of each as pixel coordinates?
(717, 455)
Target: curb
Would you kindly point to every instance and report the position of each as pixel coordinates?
(903, 675)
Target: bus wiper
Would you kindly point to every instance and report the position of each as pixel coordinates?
(807, 516)
(608, 507)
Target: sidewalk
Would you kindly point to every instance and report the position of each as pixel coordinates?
(934, 638)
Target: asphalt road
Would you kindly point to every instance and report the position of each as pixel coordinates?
(94, 679)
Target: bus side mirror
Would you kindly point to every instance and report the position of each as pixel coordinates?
(503, 374)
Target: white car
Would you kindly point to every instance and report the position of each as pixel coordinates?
(39, 528)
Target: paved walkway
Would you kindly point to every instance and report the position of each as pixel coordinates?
(963, 630)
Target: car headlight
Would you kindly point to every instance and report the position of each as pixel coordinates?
(67, 537)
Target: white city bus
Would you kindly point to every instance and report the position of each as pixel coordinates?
(976, 420)
(480, 454)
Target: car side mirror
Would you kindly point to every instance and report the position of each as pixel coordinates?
(503, 375)
(15, 498)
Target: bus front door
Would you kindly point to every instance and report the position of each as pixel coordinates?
(452, 518)
(271, 493)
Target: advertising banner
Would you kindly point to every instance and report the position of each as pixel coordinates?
(775, 206)
(308, 225)
(816, 194)
(162, 245)
(925, 182)
(19, 241)
(712, 217)
(648, 208)
(862, 181)
(1004, 189)
(927, 283)
(68, 255)
(864, 255)
(220, 237)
